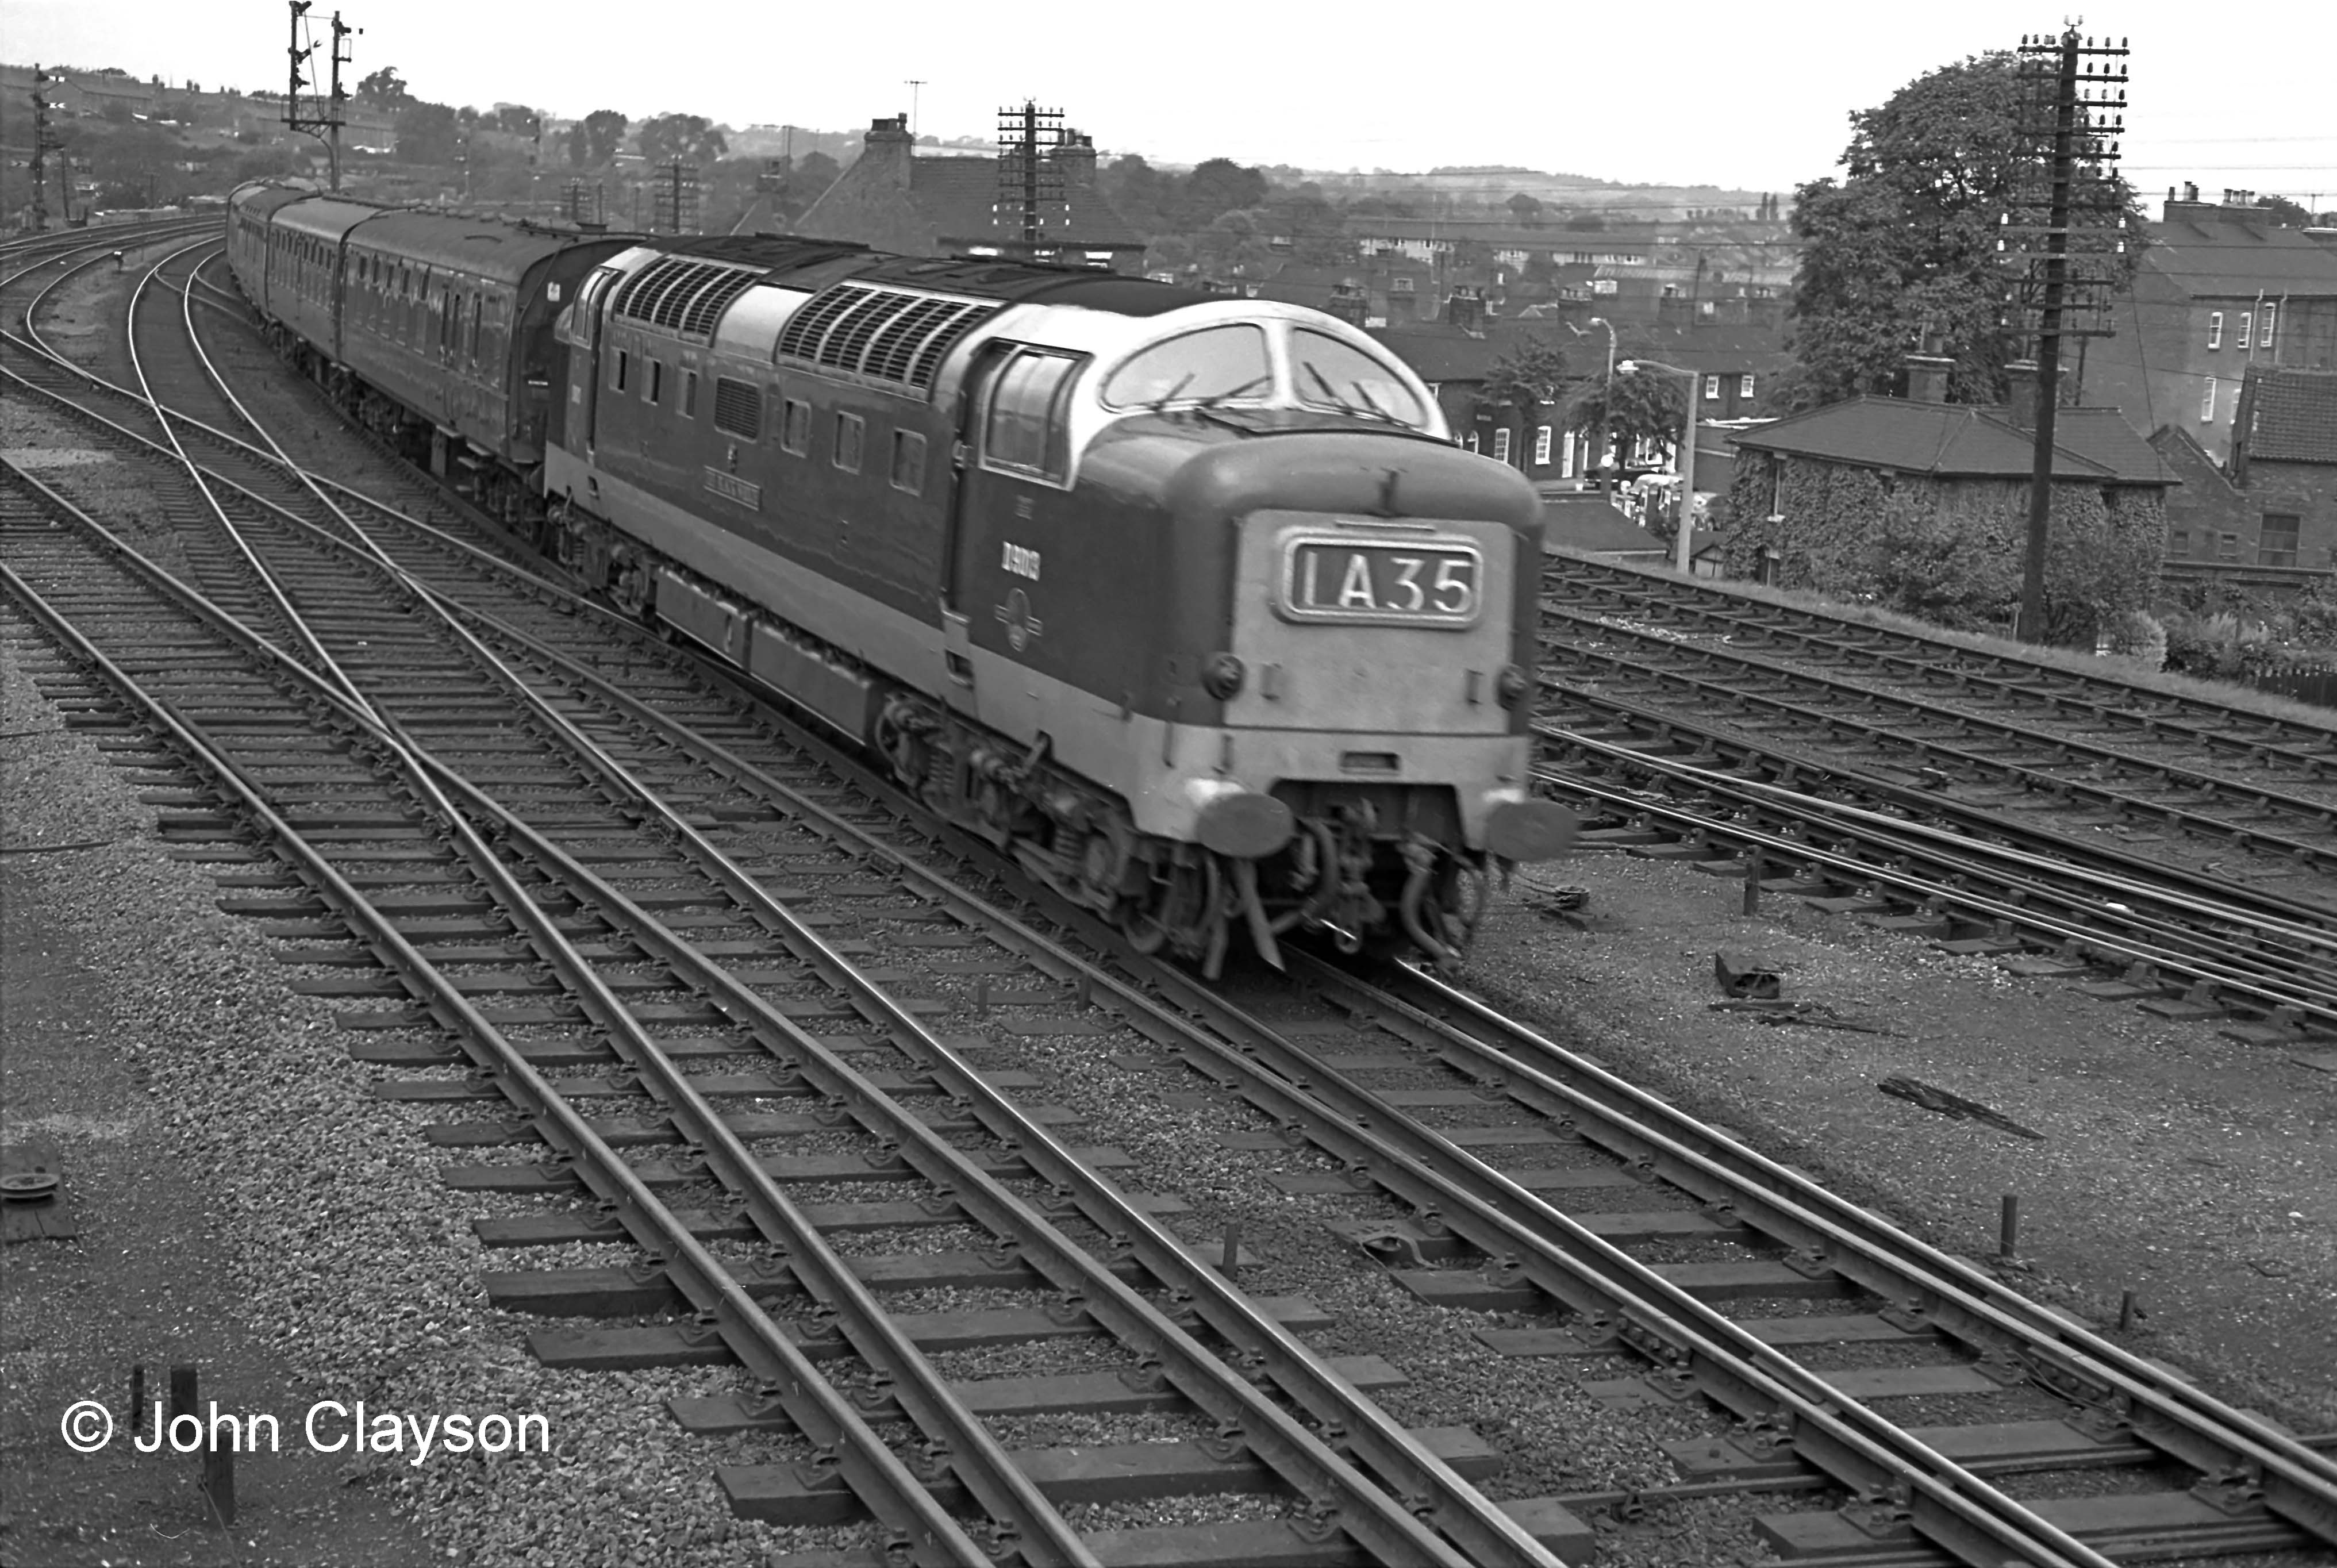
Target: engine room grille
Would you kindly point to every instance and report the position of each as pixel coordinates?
(887, 335)
(738, 408)
(682, 294)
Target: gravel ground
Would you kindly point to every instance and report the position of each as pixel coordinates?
(353, 1274)
(2198, 1173)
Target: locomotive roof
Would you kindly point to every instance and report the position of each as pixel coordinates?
(788, 256)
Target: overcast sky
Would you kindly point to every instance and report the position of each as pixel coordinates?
(1738, 95)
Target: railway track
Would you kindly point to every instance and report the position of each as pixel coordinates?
(1804, 1430)
(1859, 798)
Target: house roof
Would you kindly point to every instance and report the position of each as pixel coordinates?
(2227, 259)
(2292, 416)
(1439, 351)
(958, 197)
(1723, 350)
(1587, 522)
(1954, 439)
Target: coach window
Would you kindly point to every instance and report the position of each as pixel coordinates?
(1025, 430)
(795, 424)
(1215, 362)
(851, 429)
(909, 462)
(478, 312)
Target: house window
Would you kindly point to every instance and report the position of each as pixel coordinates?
(1744, 387)
(1400, 285)
(1502, 445)
(1712, 388)
(1472, 442)
(2207, 402)
(739, 408)
(2247, 327)
(908, 462)
(794, 423)
(689, 394)
(2276, 542)
(1541, 447)
(2178, 544)
(2264, 338)
(2215, 328)
(851, 429)
(2227, 547)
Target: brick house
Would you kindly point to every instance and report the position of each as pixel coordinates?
(2219, 290)
(2285, 461)
(895, 201)
(1811, 490)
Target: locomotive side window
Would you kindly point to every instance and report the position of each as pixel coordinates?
(689, 394)
(908, 462)
(1332, 374)
(624, 369)
(655, 390)
(1025, 428)
(795, 425)
(739, 408)
(1215, 362)
(851, 430)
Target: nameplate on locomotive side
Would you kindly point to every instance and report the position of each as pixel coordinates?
(731, 487)
(1433, 583)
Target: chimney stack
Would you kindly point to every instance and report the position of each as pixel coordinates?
(1927, 378)
(2021, 393)
(886, 148)
(1075, 158)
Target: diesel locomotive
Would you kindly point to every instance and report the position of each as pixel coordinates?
(1188, 602)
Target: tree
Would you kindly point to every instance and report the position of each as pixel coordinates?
(1526, 210)
(1233, 246)
(1903, 248)
(1586, 224)
(386, 87)
(671, 136)
(518, 120)
(1521, 381)
(427, 133)
(594, 140)
(1648, 406)
(1218, 186)
(1137, 192)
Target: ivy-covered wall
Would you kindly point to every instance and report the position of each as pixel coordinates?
(1947, 550)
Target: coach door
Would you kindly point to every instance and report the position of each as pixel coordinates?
(1013, 454)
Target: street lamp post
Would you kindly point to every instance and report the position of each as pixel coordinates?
(1688, 455)
(1606, 414)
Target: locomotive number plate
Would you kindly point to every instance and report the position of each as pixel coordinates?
(1388, 585)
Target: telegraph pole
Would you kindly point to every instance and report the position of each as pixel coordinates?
(1027, 178)
(2071, 120)
(913, 84)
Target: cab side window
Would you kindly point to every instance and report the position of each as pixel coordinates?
(1025, 428)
